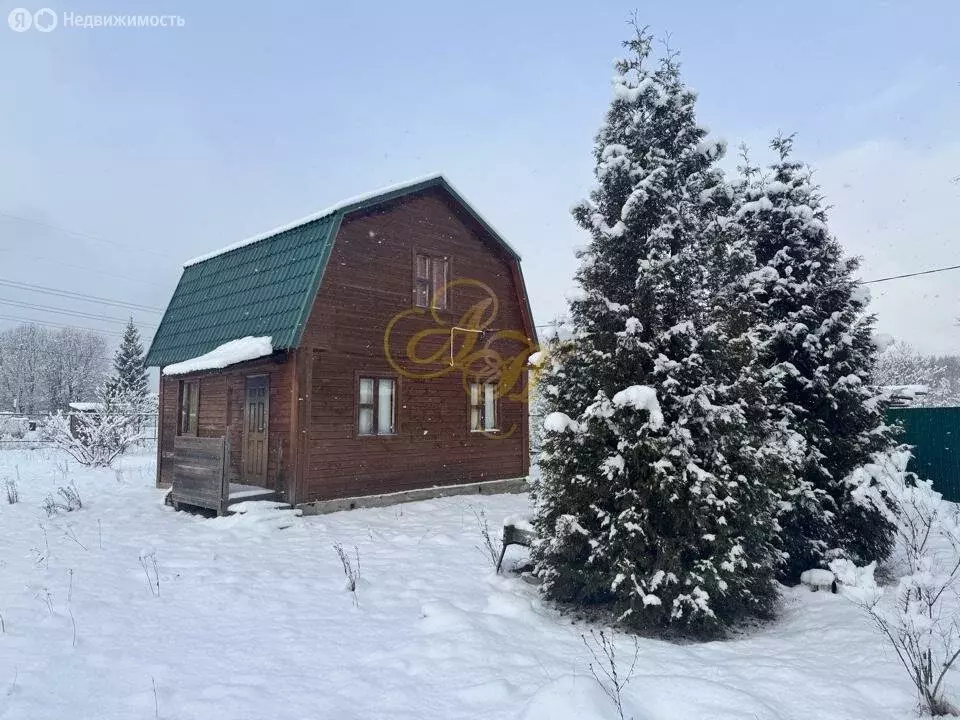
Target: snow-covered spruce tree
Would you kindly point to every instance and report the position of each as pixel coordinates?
(814, 338)
(653, 499)
(127, 391)
(129, 378)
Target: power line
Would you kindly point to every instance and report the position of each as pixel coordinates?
(84, 236)
(74, 313)
(96, 271)
(913, 274)
(59, 325)
(42, 289)
(862, 282)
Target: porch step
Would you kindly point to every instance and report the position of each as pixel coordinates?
(247, 493)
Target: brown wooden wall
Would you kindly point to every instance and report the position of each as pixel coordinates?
(368, 280)
(313, 390)
(220, 413)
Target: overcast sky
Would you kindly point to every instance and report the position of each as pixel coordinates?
(125, 151)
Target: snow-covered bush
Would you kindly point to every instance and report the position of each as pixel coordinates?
(921, 620)
(13, 427)
(93, 438)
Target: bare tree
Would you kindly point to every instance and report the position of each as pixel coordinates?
(22, 368)
(43, 370)
(76, 366)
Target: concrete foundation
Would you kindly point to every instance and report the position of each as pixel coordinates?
(489, 487)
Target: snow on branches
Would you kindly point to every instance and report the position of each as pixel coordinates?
(920, 620)
(652, 497)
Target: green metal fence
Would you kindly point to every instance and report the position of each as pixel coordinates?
(935, 436)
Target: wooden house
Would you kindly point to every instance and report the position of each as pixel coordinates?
(376, 347)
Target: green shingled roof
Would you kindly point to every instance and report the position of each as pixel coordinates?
(262, 288)
(266, 285)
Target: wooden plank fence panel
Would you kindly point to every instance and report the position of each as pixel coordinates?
(934, 434)
(200, 468)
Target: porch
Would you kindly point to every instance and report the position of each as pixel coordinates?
(201, 477)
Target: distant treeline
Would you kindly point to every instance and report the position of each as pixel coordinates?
(43, 370)
(901, 364)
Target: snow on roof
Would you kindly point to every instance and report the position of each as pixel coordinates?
(343, 204)
(317, 215)
(230, 353)
(86, 406)
(905, 392)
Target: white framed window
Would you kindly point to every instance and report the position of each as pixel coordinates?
(430, 281)
(376, 406)
(484, 408)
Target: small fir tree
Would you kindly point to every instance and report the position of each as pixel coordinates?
(128, 389)
(129, 378)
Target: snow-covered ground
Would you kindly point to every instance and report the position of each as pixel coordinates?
(253, 621)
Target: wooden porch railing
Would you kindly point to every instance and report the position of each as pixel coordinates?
(200, 473)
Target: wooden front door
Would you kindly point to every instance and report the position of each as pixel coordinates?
(256, 414)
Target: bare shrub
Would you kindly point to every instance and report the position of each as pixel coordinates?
(50, 505)
(920, 625)
(13, 493)
(606, 668)
(151, 570)
(71, 497)
(69, 500)
(351, 573)
(43, 556)
(71, 534)
(489, 546)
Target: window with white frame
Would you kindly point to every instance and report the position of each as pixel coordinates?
(376, 406)
(430, 282)
(483, 407)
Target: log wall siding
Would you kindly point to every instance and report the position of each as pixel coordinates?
(368, 280)
(220, 413)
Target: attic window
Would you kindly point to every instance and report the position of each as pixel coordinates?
(430, 282)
